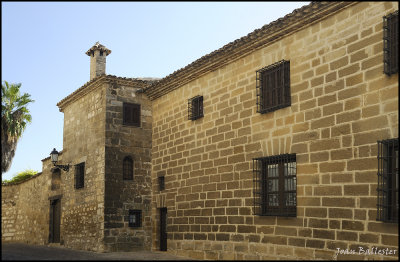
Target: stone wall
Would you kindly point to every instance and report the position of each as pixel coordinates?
(342, 103)
(124, 195)
(25, 215)
(89, 219)
(25, 208)
(82, 220)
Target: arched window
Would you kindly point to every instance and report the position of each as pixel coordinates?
(127, 168)
(55, 179)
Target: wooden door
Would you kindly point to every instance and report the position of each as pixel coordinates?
(163, 229)
(55, 221)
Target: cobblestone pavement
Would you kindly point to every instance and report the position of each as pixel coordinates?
(32, 252)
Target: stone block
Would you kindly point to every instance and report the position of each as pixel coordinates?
(286, 231)
(390, 240)
(325, 234)
(368, 238)
(356, 190)
(340, 213)
(339, 63)
(348, 116)
(316, 212)
(338, 202)
(317, 223)
(346, 235)
(387, 228)
(222, 237)
(278, 240)
(352, 225)
(313, 243)
(331, 167)
(323, 145)
(362, 164)
(328, 190)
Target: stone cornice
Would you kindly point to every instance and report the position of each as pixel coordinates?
(98, 46)
(268, 34)
(98, 81)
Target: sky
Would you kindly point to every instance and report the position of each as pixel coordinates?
(43, 47)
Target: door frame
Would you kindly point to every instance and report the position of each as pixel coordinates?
(163, 229)
(55, 219)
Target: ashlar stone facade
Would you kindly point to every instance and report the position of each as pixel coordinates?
(342, 103)
(95, 216)
(217, 166)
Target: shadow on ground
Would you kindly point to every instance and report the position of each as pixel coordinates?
(16, 251)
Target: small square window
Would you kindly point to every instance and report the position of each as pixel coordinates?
(273, 87)
(391, 43)
(161, 183)
(195, 108)
(135, 218)
(131, 114)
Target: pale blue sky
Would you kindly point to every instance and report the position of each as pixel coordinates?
(44, 45)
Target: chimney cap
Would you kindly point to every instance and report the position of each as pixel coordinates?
(98, 46)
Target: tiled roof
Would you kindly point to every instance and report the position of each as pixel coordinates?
(298, 19)
(138, 82)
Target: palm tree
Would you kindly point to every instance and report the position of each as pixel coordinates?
(14, 118)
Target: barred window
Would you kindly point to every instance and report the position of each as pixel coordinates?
(131, 114)
(80, 175)
(135, 218)
(161, 183)
(273, 87)
(127, 168)
(275, 185)
(391, 43)
(195, 108)
(388, 180)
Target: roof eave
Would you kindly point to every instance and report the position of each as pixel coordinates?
(268, 34)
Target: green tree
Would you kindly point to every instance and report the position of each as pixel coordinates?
(21, 176)
(14, 118)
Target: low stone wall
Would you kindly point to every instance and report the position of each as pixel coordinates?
(25, 211)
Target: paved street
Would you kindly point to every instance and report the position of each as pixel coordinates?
(31, 252)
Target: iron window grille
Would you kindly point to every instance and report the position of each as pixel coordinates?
(274, 181)
(273, 87)
(127, 168)
(161, 183)
(135, 218)
(391, 43)
(80, 175)
(388, 180)
(131, 114)
(195, 108)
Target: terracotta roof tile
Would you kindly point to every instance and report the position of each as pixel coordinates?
(140, 82)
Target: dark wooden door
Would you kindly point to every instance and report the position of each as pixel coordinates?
(55, 221)
(163, 229)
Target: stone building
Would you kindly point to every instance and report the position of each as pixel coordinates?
(103, 202)
(281, 144)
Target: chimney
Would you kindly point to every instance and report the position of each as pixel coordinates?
(98, 53)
